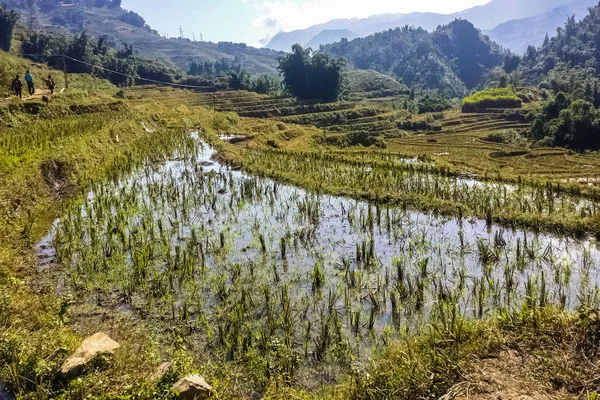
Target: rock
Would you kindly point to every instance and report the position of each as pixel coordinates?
(99, 343)
(161, 371)
(193, 387)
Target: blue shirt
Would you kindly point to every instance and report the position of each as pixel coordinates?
(28, 77)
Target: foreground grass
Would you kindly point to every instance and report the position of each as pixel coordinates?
(53, 160)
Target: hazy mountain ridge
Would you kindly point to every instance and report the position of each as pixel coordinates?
(520, 33)
(330, 36)
(484, 17)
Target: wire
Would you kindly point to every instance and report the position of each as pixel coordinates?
(123, 74)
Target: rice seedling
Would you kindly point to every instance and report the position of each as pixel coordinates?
(262, 267)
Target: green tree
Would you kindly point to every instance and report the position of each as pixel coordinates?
(239, 81)
(578, 127)
(295, 70)
(80, 50)
(312, 76)
(8, 20)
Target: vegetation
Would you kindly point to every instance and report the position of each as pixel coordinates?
(134, 19)
(576, 45)
(371, 248)
(432, 102)
(452, 59)
(263, 84)
(568, 62)
(84, 52)
(222, 67)
(100, 18)
(372, 84)
(573, 124)
(8, 19)
(492, 98)
(509, 136)
(312, 76)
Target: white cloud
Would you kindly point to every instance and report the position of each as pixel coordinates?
(288, 15)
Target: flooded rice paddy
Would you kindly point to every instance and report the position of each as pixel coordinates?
(249, 262)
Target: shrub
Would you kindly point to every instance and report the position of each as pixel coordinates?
(508, 136)
(492, 98)
(434, 103)
(410, 125)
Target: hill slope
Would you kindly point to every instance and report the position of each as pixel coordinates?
(330, 36)
(576, 46)
(113, 22)
(484, 17)
(518, 34)
(451, 59)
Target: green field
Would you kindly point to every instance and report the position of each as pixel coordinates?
(288, 249)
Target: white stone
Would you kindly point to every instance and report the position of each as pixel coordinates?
(96, 344)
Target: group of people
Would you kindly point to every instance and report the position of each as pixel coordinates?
(17, 85)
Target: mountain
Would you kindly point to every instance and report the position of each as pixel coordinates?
(330, 36)
(452, 59)
(126, 26)
(575, 49)
(518, 34)
(484, 17)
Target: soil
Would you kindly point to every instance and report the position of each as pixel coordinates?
(505, 377)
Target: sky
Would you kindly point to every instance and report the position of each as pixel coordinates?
(256, 21)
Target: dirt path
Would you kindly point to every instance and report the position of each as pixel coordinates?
(39, 93)
(505, 377)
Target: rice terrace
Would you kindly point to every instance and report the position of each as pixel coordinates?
(388, 217)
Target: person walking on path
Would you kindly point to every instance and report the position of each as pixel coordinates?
(50, 84)
(29, 80)
(17, 86)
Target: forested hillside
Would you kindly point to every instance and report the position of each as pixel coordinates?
(518, 34)
(576, 45)
(566, 68)
(106, 17)
(452, 59)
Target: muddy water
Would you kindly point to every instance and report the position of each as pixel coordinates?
(365, 250)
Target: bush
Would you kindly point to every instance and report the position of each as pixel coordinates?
(509, 136)
(419, 126)
(492, 98)
(545, 142)
(433, 103)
